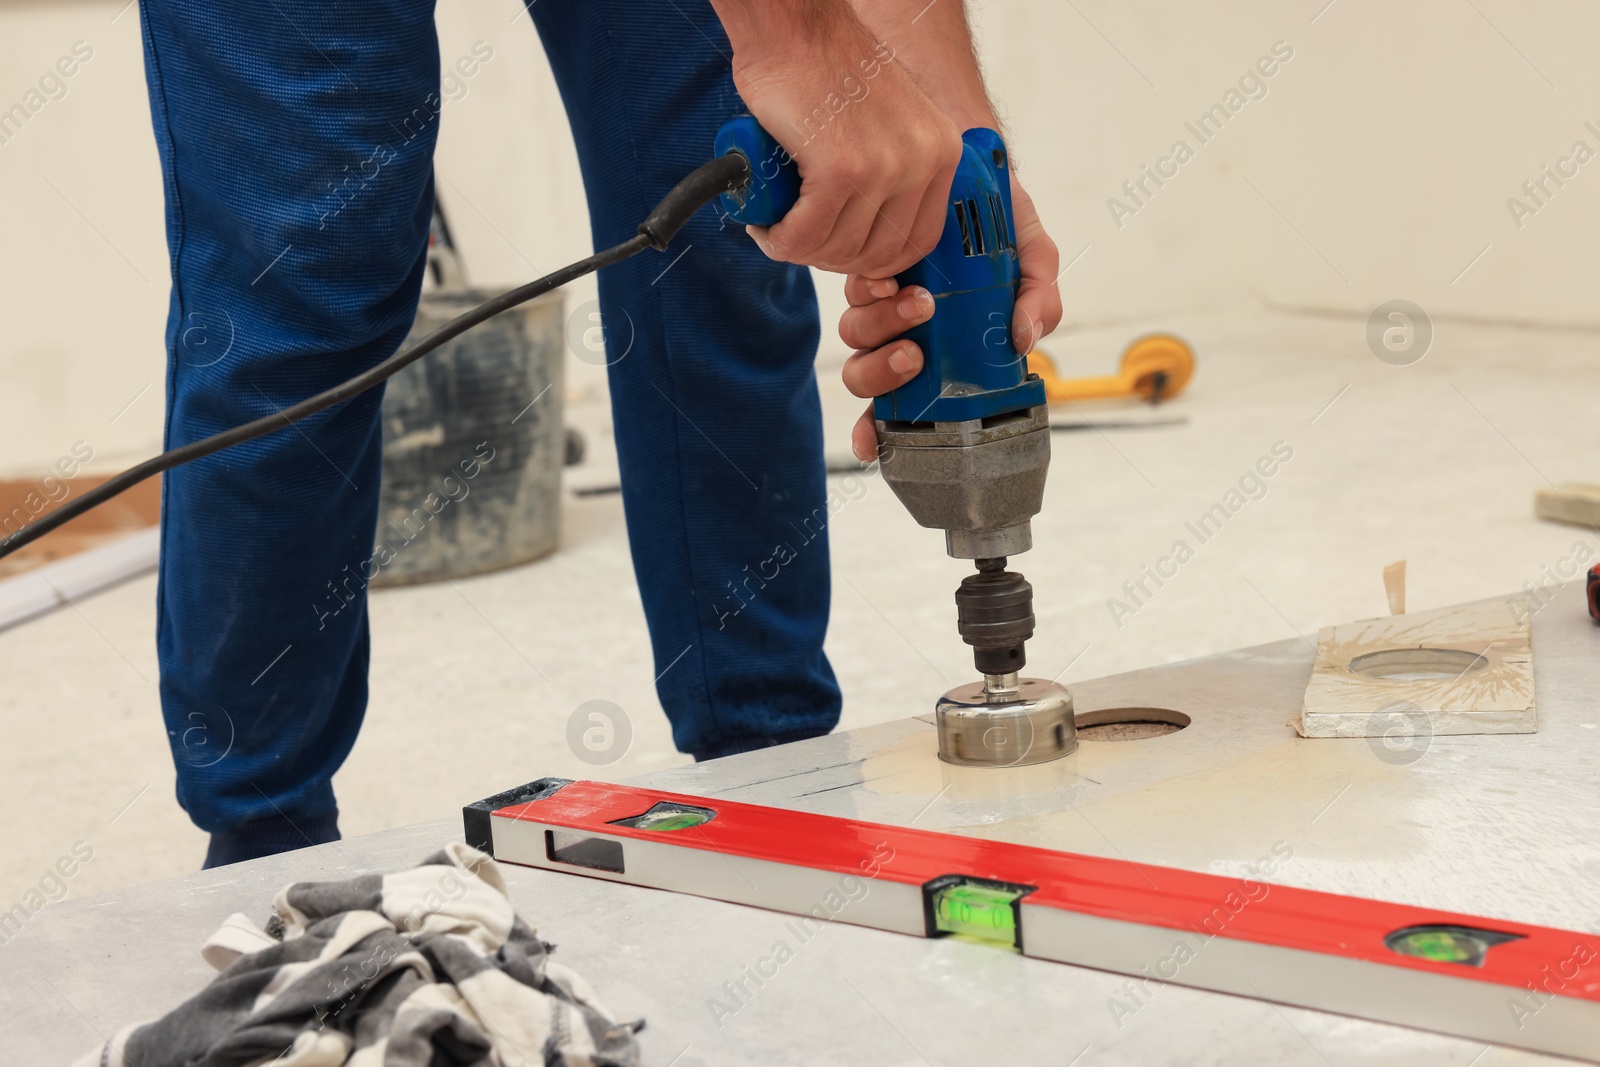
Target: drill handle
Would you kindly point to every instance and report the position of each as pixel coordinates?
(774, 184)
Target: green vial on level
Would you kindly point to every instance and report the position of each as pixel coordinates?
(1444, 943)
(974, 910)
(666, 816)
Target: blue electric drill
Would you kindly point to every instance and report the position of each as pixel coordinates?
(965, 444)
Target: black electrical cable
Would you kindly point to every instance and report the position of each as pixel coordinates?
(727, 173)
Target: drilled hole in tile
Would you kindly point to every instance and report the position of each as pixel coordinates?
(1418, 664)
(1128, 724)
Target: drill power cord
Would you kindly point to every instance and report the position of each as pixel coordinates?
(727, 173)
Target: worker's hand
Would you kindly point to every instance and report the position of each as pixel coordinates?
(879, 312)
(875, 164)
(1038, 308)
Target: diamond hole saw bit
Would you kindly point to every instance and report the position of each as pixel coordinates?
(965, 444)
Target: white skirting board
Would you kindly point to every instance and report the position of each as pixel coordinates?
(36, 592)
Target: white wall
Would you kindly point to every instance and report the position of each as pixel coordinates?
(1377, 166)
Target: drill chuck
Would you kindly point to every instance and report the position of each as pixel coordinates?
(994, 614)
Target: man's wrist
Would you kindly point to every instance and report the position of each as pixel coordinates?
(934, 44)
(759, 29)
(968, 115)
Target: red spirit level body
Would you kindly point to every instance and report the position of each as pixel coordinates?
(1509, 983)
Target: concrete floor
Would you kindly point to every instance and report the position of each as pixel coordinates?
(473, 683)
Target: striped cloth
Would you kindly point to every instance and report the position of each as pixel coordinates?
(424, 968)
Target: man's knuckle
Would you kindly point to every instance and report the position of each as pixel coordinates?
(854, 173)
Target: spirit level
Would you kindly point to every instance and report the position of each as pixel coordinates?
(1504, 982)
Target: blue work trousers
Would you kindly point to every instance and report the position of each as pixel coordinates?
(296, 140)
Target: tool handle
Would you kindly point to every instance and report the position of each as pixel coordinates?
(774, 177)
